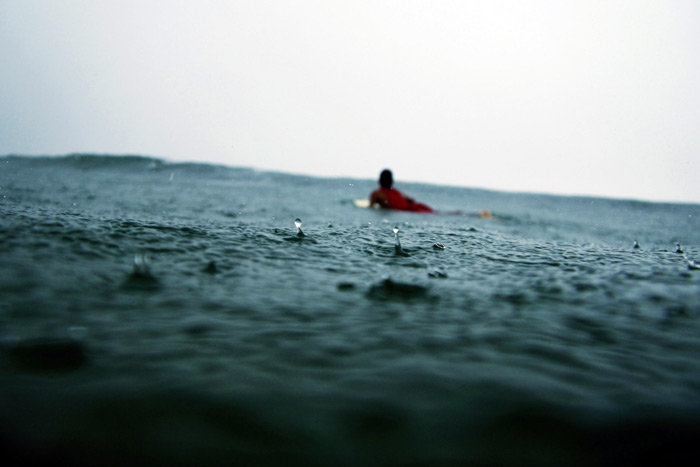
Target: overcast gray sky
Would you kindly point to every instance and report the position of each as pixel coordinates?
(555, 96)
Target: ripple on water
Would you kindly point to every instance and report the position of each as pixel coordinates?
(547, 315)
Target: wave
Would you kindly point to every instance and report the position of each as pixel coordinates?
(88, 161)
(124, 162)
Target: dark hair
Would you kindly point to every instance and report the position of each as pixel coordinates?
(386, 179)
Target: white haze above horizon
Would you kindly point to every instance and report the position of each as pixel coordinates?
(568, 97)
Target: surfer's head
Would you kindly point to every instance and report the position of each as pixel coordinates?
(386, 179)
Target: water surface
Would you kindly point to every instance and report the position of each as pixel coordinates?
(157, 313)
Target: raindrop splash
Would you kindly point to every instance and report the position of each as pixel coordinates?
(297, 222)
(397, 243)
(141, 276)
(140, 263)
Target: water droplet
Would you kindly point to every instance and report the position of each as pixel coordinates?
(636, 244)
(141, 265)
(141, 277)
(140, 261)
(397, 243)
(679, 249)
(172, 175)
(297, 222)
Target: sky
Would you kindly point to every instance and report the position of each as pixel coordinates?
(568, 97)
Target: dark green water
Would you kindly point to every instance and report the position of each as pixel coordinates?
(169, 314)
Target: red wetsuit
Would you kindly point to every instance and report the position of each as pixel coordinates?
(399, 202)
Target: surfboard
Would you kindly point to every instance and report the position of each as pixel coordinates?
(361, 203)
(364, 203)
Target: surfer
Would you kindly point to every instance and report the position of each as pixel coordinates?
(386, 196)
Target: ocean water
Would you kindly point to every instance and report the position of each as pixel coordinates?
(154, 313)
